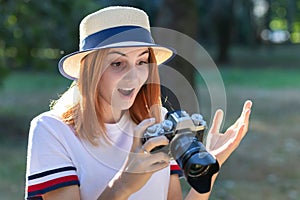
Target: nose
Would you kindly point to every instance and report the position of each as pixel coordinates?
(131, 74)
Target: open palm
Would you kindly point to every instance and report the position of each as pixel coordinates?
(222, 145)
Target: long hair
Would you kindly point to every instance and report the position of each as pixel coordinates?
(85, 112)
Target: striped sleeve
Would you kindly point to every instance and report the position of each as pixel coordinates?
(175, 169)
(49, 164)
(46, 181)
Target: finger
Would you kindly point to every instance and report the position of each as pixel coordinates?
(246, 121)
(217, 122)
(243, 118)
(155, 142)
(248, 104)
(141, 127)
(239, 136)
(158, 161)
(140, 130)
(141, 163)
(247, 108)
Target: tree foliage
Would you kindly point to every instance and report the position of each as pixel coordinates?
(35, 34)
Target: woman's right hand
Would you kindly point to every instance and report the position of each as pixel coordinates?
(140, 164)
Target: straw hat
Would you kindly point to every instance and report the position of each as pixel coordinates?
(112, 27)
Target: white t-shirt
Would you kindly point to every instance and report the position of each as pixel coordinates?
(57, 158)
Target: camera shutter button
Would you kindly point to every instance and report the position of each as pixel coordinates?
(197, 119)
(152, 129)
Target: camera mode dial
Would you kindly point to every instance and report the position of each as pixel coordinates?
(198, 120)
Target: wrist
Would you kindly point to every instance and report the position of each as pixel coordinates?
(115, 190)
(193, 194)
(120, 190)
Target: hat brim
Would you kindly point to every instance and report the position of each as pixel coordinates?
(69, 65)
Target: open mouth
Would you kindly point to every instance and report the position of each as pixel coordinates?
(126, 91)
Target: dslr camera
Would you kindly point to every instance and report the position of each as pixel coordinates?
(185, 134)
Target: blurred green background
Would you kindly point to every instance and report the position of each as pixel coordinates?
(255, 44)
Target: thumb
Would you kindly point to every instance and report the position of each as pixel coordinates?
(139, 132)
(217, 122)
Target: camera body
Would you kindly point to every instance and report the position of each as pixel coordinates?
(176, 122)
(185, 134)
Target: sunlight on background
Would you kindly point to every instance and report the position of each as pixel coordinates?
(282, 27)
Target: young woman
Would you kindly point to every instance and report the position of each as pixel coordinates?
(89, 145)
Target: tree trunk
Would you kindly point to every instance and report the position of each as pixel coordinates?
(222, 15)
(181, 16)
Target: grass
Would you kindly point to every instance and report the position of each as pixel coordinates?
(33, 82)
(24, 95)
(269, 78)
(269, 67)
(12, 168)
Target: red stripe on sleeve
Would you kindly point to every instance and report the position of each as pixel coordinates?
(50, 183)
(175, 167)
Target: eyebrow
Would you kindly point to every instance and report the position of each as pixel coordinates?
(123, 54)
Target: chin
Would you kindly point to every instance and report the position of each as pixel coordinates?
(124, 105)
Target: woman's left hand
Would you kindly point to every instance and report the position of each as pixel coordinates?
(222, 145)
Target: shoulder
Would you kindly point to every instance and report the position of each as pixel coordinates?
(49, 156)
(47, 125)
(48, 120)
(46, 117)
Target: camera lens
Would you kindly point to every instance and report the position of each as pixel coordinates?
(197, 170)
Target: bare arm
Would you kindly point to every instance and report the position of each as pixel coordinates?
(66, 193)
(72, 193)
(175, 192)
(193, 194)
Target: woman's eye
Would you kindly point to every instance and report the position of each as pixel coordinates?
(142, 62)
(117, 65)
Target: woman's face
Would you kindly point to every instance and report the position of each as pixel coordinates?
(127, 70)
